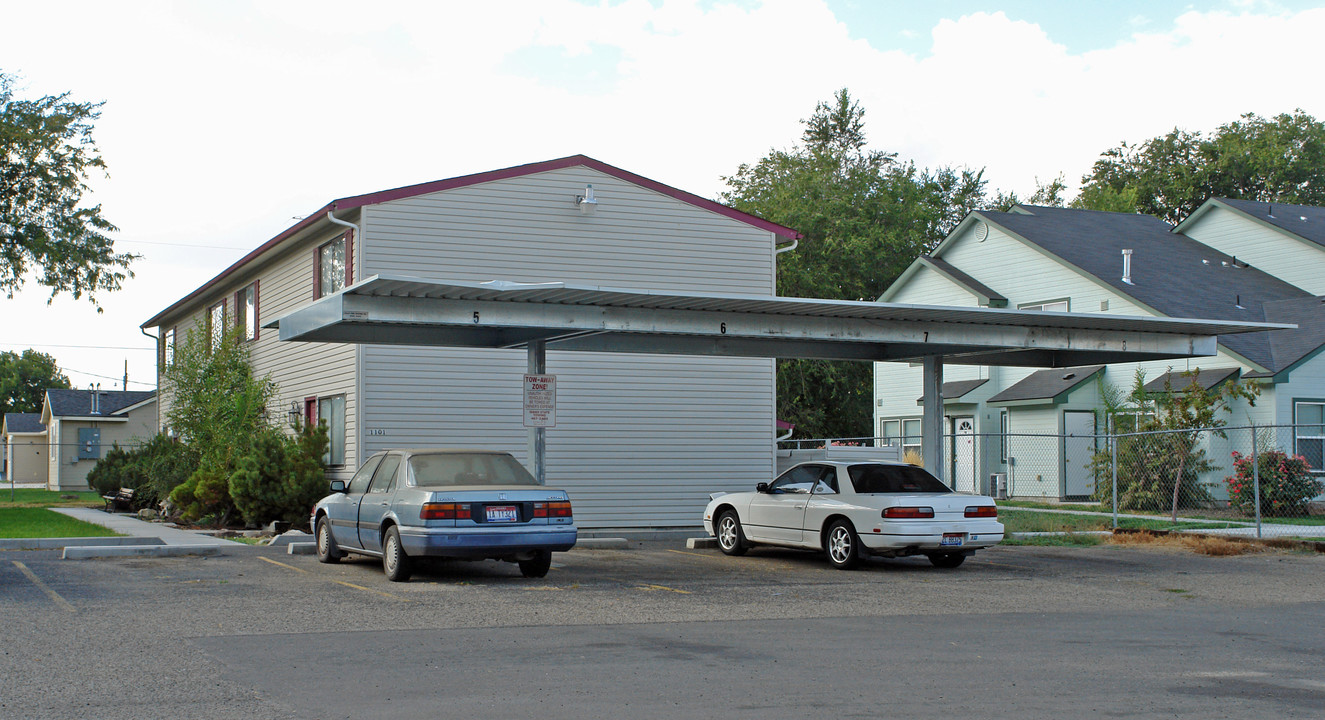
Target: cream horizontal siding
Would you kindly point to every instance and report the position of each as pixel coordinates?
(1290, 259)
(640, 440)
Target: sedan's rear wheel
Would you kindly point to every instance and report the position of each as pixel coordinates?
(395, 562)
(538, 565)
(731, 539)
(946, 560)
(842, 546)
(327, 551)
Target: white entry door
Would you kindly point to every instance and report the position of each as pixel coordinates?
(963, 454)
(1078, 450)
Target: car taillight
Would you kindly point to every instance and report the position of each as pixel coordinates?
(559, 509)
(982, 511)
(444, 511)
(894, 513)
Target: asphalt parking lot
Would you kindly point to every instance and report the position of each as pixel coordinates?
(657, 630)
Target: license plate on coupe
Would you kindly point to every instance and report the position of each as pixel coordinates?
(952, 538)
(502, 513)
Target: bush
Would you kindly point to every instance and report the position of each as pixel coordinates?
(152, 470)
(281, 477)
(205, 494)
(1286, 484)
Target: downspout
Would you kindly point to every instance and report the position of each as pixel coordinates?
(338, 221)
(789, 248)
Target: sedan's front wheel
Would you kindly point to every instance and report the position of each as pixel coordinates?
(327, 551)
(843, 547)
(395, 562)
(538, 565)
(731, 539)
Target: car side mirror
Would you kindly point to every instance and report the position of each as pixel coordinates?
(761, 487)
(338, 486)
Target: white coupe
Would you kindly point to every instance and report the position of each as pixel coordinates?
(852, 509)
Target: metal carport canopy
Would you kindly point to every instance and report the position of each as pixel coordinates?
(395, 310)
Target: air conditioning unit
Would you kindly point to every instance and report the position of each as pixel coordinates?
(998, 486)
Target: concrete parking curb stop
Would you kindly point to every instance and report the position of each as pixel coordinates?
(302, 548)
(701, 543)
(85, 553)
(603, 543)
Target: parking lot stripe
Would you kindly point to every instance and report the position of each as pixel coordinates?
(338, 582)
(54, 596)
(662, 587)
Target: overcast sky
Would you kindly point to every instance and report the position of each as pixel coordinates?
(224, 121)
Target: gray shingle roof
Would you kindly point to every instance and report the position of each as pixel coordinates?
(79, 402)
(1178, 381)
(1045, 384)
(991, 296)
(1304, 221)
(1171, 273)
(954, 389)
(24, 423)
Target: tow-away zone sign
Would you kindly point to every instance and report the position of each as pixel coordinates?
(540, 400)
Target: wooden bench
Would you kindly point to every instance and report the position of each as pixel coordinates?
(122, 499)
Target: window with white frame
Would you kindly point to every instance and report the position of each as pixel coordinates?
(332, 410)
(1309, 435)
(901, 431)
(331, 273)
(216, 324)
(1046, 306)
(246, 312)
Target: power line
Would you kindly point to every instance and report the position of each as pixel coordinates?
(84, 347)
(183, 245)
(106, 377)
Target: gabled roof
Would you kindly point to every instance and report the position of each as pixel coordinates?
(1304, 221)
(953, 390)
(1179, 381)
(23, 423)
(78, 403)
(1171, 273)
(319, 217)
(987, 295)
(1044, 386)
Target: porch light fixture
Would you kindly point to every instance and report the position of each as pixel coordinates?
(294, 414)
(586, 202)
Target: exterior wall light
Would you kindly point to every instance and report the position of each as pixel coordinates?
(586, 202)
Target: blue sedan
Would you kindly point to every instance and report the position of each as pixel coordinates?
(468, 504)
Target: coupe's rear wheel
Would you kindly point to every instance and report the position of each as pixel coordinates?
(842, 546)
(327, 551)
(538, 565)
(947, 560)
(395, 562)
(731, 539)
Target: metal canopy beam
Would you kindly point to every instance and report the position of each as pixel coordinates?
(411, 311)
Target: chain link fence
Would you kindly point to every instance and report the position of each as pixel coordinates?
(1252, 481)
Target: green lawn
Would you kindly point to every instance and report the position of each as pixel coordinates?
(1017, 520)
(1069, 540)
(1217, 521)
(25, 498)
(37, 522)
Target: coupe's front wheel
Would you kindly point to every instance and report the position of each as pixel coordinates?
(946, 560)
(395, 562)
(731, 539)
(327, 551)
(843, 546)
(538, 565)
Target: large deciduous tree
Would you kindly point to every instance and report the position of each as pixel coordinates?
(865, 217)
(1279, 159)
(24, 380)
(46, 156)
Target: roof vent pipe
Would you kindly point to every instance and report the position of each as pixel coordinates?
(1127, 266)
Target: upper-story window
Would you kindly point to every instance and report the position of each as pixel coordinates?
(246, 311)
(1047, 306)
(332, 273)
(216, 324)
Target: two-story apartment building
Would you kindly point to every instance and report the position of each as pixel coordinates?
(1231, 260)
(640, 440)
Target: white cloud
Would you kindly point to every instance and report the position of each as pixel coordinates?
(223, 121)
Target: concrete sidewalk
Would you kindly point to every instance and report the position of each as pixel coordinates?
(132, 526)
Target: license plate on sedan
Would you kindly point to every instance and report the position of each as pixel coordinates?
(952, 538)
(503, 513)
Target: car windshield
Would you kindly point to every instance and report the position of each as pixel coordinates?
(874, 478)
(447, 469)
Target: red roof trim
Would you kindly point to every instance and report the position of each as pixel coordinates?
(357, 201)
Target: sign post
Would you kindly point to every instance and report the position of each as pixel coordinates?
(540, 407)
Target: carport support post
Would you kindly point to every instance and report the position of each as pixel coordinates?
(537, 365)
(931, 424)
